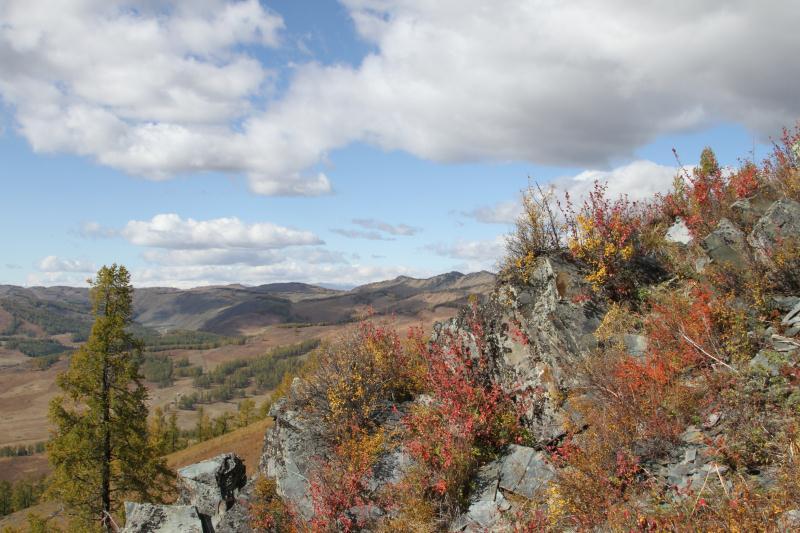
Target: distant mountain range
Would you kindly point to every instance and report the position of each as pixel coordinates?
(236, 309)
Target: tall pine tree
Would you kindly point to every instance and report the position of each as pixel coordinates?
(100, 448)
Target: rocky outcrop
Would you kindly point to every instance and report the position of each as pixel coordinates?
(523, 472)
(289, 449)
(212, 486)
(213, 497)
(146, 517)
(292, 448)
(726, 244)
(781, 221)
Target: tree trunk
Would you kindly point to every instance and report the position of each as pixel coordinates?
(106, 466)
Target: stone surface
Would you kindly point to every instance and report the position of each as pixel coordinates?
(726, 244)
(679, 233)
(750, 210)
(287, 457)
(524, 471)
(781, 221)
(149, 518)
(212, 486)
(636, 345)
(292, 447)
(764, 363)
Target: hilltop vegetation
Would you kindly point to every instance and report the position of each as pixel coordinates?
(618, 378)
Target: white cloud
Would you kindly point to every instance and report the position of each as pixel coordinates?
(94, 230)
(638, 180)
(160, 88)
(499, 213)
(393, 229)
(172, 232)
(52, 263)
(344, 275)
(249, 257)
(359, 234)
(475, 254)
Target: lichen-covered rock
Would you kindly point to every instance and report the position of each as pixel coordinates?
(726, 244)
(149, 518)
(292, 449)
(525, 471)
(212, 486)
(289, 449)
(781, 221)
(522, 471)
(749, 210)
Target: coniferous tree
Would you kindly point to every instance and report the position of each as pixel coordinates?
(100, 448)
(173, 432)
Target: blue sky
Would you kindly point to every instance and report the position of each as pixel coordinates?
(347, 142)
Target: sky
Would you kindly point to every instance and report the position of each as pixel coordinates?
(344, 142)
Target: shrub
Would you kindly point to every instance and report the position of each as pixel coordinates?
(268, 513)
(539, 231)
(619, 242)
(468, 419)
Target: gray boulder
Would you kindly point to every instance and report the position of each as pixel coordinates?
(749, 210)
(148, 518)
(289, 449)
(726, 244)
(525, 471)
(781, 221)
(212, 486)
(522, 471)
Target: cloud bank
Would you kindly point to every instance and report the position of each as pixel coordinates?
(161, 88)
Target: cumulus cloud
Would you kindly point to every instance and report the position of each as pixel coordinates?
(159, 88)
(638, 180)
(173, 232)
(53, 263)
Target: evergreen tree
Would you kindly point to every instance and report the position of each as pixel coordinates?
(6, 506)
(246, 412)
(100, 450)
(203, 428)
(158, 431)
(173, 432)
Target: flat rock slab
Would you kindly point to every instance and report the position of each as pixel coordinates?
(149, 518)
(212, 485)
(524, 471)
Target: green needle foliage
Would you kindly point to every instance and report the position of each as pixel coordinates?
(100, 449)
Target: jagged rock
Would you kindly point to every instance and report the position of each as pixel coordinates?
(781, 221)
(292, 447)
(726, 244)
(556, 334)
(149, 518)
(749, 210)
(287, 457)
(785, 303)
(784, 344)
(212, 486)
(792, 321)
(523, 471)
